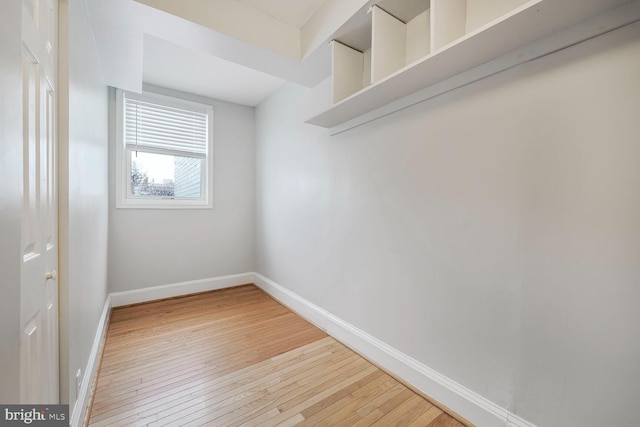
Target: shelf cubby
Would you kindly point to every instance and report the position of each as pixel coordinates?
(453, 19)
(398, 42)
(351, 70)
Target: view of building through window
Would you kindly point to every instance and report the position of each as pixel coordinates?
(161, 175)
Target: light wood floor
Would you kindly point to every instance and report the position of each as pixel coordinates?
(237, 357)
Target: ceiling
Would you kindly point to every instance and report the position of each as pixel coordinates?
(292, 12)
(239, 51)
(168, 64)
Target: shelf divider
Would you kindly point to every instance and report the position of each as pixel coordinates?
(448, 22)
(418, 37)
(388, 44)
(347, 71)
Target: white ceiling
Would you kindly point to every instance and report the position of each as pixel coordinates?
(293, 12)
(170, 65)
(239, 51)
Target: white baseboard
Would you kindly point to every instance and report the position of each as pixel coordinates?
(118, 299)
(454, 396)
(82, 400)
(178, 289)
(458, 398)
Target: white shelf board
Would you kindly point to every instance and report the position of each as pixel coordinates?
(532, 21)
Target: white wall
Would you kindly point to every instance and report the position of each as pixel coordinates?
(10, 198)
(83, 192)
(492, 233)
(151, 247)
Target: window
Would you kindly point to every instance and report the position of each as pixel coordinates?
(164, 152)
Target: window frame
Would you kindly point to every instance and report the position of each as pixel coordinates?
(124, 198)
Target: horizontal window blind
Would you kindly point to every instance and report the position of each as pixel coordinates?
(165, 129)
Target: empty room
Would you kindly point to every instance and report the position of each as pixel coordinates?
(320, 213)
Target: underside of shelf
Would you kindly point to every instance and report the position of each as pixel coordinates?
(532, 21)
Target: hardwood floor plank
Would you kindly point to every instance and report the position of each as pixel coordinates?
(189, 366)
(403, 413)
(237, 357)
(377, 402)
(369, 419)
(321, 395)
(444, 420)
(309, 390)
(279, 328)
(141, 392)
(269, 385)
(295, 420)
(257, 401)
(350, 414)
(427, 417)
(232, 382)
(345, 413)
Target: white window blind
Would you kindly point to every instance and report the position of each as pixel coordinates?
(164, 129)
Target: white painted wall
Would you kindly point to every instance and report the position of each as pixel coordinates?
(10, 198)
(151, 247)
(492, 233)
(83, 192)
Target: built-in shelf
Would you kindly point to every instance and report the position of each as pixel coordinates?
(397, 43)
(417, 43)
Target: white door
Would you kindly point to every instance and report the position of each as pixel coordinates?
(39, 372)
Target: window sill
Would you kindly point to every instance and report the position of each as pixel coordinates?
(162, 204)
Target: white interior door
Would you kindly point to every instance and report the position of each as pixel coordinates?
(39, 285)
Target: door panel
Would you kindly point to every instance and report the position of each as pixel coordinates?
(49, 184)
(39, 285)
(30, 172)
(31, 356)
(51, 344)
